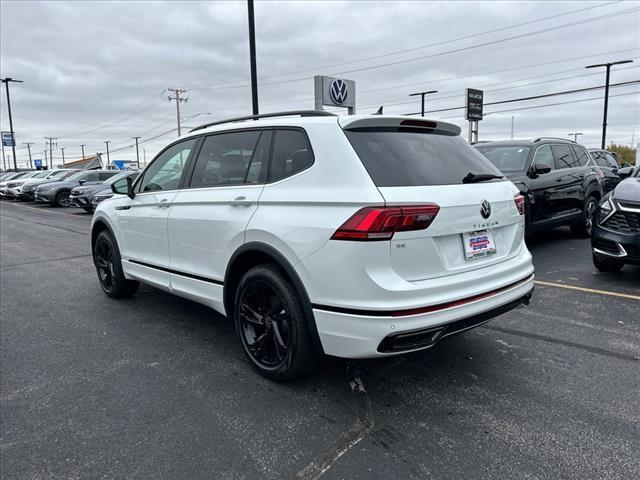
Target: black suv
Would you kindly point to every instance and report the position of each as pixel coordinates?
(608, 163)
(556, 178)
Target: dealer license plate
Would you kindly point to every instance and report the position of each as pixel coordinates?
(478, 244)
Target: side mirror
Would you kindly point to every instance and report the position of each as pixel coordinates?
(540, 169)
(81, 182)
(124, 186)
(625, 172)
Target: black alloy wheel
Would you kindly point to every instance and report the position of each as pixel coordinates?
(272, 324)
(103, 258)
(584, 226)
(106, 257)
(264, 324)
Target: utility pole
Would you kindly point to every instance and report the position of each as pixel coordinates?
(13, 138)
(177, 92)
(28, 144)
(106, 142)
(4, 159)
(606, 94)
(422, 94)
(82, 147)
(63, 163)
(575, 136)
(137, 152)
(252, 57)
(46, 162)
(512, 121)
(51, 143)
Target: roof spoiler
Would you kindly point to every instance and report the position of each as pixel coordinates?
(432, 126)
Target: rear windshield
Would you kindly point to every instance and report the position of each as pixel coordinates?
(506, 159)
(400, 157)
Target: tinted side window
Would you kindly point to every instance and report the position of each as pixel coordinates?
(291, 154)
(563, 157)
(91, 177)
(165, 171)
(544, 157)
(598, 157)
(611, 161)
(224, 159)
(105, 175)
(582, 156)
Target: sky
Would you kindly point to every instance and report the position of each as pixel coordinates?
(96, 71)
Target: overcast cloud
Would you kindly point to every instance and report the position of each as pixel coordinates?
(96, 71)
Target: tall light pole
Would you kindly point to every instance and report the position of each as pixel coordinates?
(106, 142)
(606, 93)
(63, 163)
(575, 136)
(28, 144)
(252, 57)
(50, 141)
(137, 152)
(13, 138)
(82, 147)
(422, 94)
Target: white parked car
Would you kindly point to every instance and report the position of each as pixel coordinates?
(352, 236)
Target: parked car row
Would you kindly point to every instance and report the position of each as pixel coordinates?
(561, 181)
(564, 184)
(62, 187)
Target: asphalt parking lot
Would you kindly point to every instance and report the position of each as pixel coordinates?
(158, 387)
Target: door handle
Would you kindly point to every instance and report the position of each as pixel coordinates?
(240, 202)
(164, 203)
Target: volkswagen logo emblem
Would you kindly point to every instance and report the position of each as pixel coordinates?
(485, 209)
(338, 91)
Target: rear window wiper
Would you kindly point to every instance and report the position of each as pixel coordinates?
(481, 177)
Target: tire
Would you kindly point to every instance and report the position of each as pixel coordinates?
(271, 324)
(604, 265)
(87, 209)
(582, 228)
(106, 258)
(62, 199)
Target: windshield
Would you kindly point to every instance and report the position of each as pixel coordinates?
(405, 157)
(41, 174)
(506, 159)
(76, 176)
(115, 178)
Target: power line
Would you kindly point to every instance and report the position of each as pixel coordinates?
(536, 97)
(438, 54)
(407, 50)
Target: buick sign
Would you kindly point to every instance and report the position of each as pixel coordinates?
(338, 91)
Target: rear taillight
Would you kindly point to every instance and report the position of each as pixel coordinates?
(519, 199)
(380, 223)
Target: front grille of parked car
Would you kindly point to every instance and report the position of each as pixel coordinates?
(624, 222)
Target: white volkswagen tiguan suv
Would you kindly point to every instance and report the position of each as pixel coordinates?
(352, 236)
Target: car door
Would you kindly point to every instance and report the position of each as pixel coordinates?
(143, 220)
(543, 186)
(568, 196)
(208, 219)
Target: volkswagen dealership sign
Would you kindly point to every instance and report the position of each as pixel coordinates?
(336, 92)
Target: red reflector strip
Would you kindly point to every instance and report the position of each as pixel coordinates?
(457, 303)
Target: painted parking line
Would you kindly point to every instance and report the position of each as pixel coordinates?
(588, 290)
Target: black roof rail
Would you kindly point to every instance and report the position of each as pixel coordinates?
(553, 138)
(301, 113)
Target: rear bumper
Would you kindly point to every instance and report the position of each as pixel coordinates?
(349, 335)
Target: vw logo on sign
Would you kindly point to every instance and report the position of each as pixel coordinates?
(338, 91)
(485, 209)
